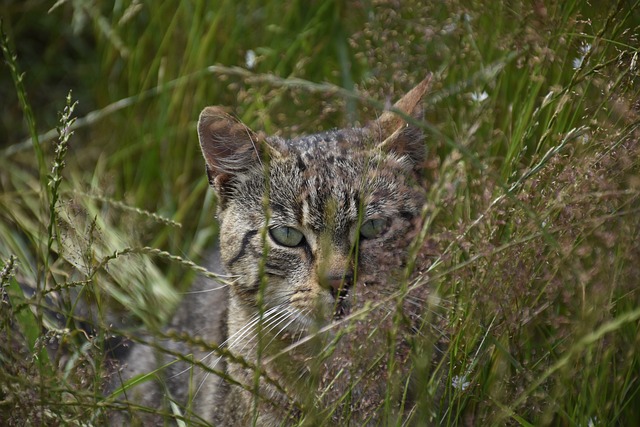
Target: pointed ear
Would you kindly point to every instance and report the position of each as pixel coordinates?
(228, 145)
(395, 134)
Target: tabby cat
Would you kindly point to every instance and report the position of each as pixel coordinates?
(314, 233)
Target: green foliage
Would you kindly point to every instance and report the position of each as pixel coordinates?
(532, 226)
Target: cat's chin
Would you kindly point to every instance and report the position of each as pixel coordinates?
(294, 323)
(304, 325)
(342, 309)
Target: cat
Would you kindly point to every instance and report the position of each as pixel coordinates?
(314, 237)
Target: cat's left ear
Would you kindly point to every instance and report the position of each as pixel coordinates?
(229, 147)
(394, 133)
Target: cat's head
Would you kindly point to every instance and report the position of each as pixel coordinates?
(312, 223)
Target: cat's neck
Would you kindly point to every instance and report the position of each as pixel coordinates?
(283, 380)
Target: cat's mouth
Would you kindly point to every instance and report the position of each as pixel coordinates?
(328, 308)
(337, 310)
(342, 307)
(340, 302)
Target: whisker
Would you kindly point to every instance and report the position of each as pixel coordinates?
(426, 307)
(221, 284)
(271, 323)
(281, 317)
(302, 329)
(249, 327)
(237, 336)
(204, 291)
(291, 312)
(430, 299)
(241, 331)
(420, 316)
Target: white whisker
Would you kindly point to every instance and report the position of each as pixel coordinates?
(242, 331)
(249, 327)
(204, 291)
(237, 336)
(280, 318)
(426, 307)
(269, 324)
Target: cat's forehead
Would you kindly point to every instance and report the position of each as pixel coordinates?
(327, 178)
(331, 163)
(327, 145)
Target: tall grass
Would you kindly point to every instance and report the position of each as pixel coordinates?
(533, 219)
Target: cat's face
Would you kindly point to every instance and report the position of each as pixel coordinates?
(308, 225)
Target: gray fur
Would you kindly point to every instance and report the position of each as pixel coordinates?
(325, 186)
(201, 315)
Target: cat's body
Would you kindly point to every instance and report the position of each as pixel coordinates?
(314, 233)
(202, 316)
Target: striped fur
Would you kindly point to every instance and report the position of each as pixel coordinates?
(325, 186)
(353, 196)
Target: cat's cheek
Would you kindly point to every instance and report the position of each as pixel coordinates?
(371, 253)
(310, 299)
(379, 258)
(313, 303)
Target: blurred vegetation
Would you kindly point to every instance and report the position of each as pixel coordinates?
(533, 173)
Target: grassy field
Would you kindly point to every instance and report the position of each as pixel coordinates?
(533, 234)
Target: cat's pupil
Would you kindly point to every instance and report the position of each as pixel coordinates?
(286, 236)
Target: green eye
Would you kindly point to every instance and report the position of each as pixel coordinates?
(372, 228)
(286, 236)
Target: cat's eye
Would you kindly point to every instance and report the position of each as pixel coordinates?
(372, 228)
(286, 236)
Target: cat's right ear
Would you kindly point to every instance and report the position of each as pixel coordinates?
(394, 133)
(229, 147)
